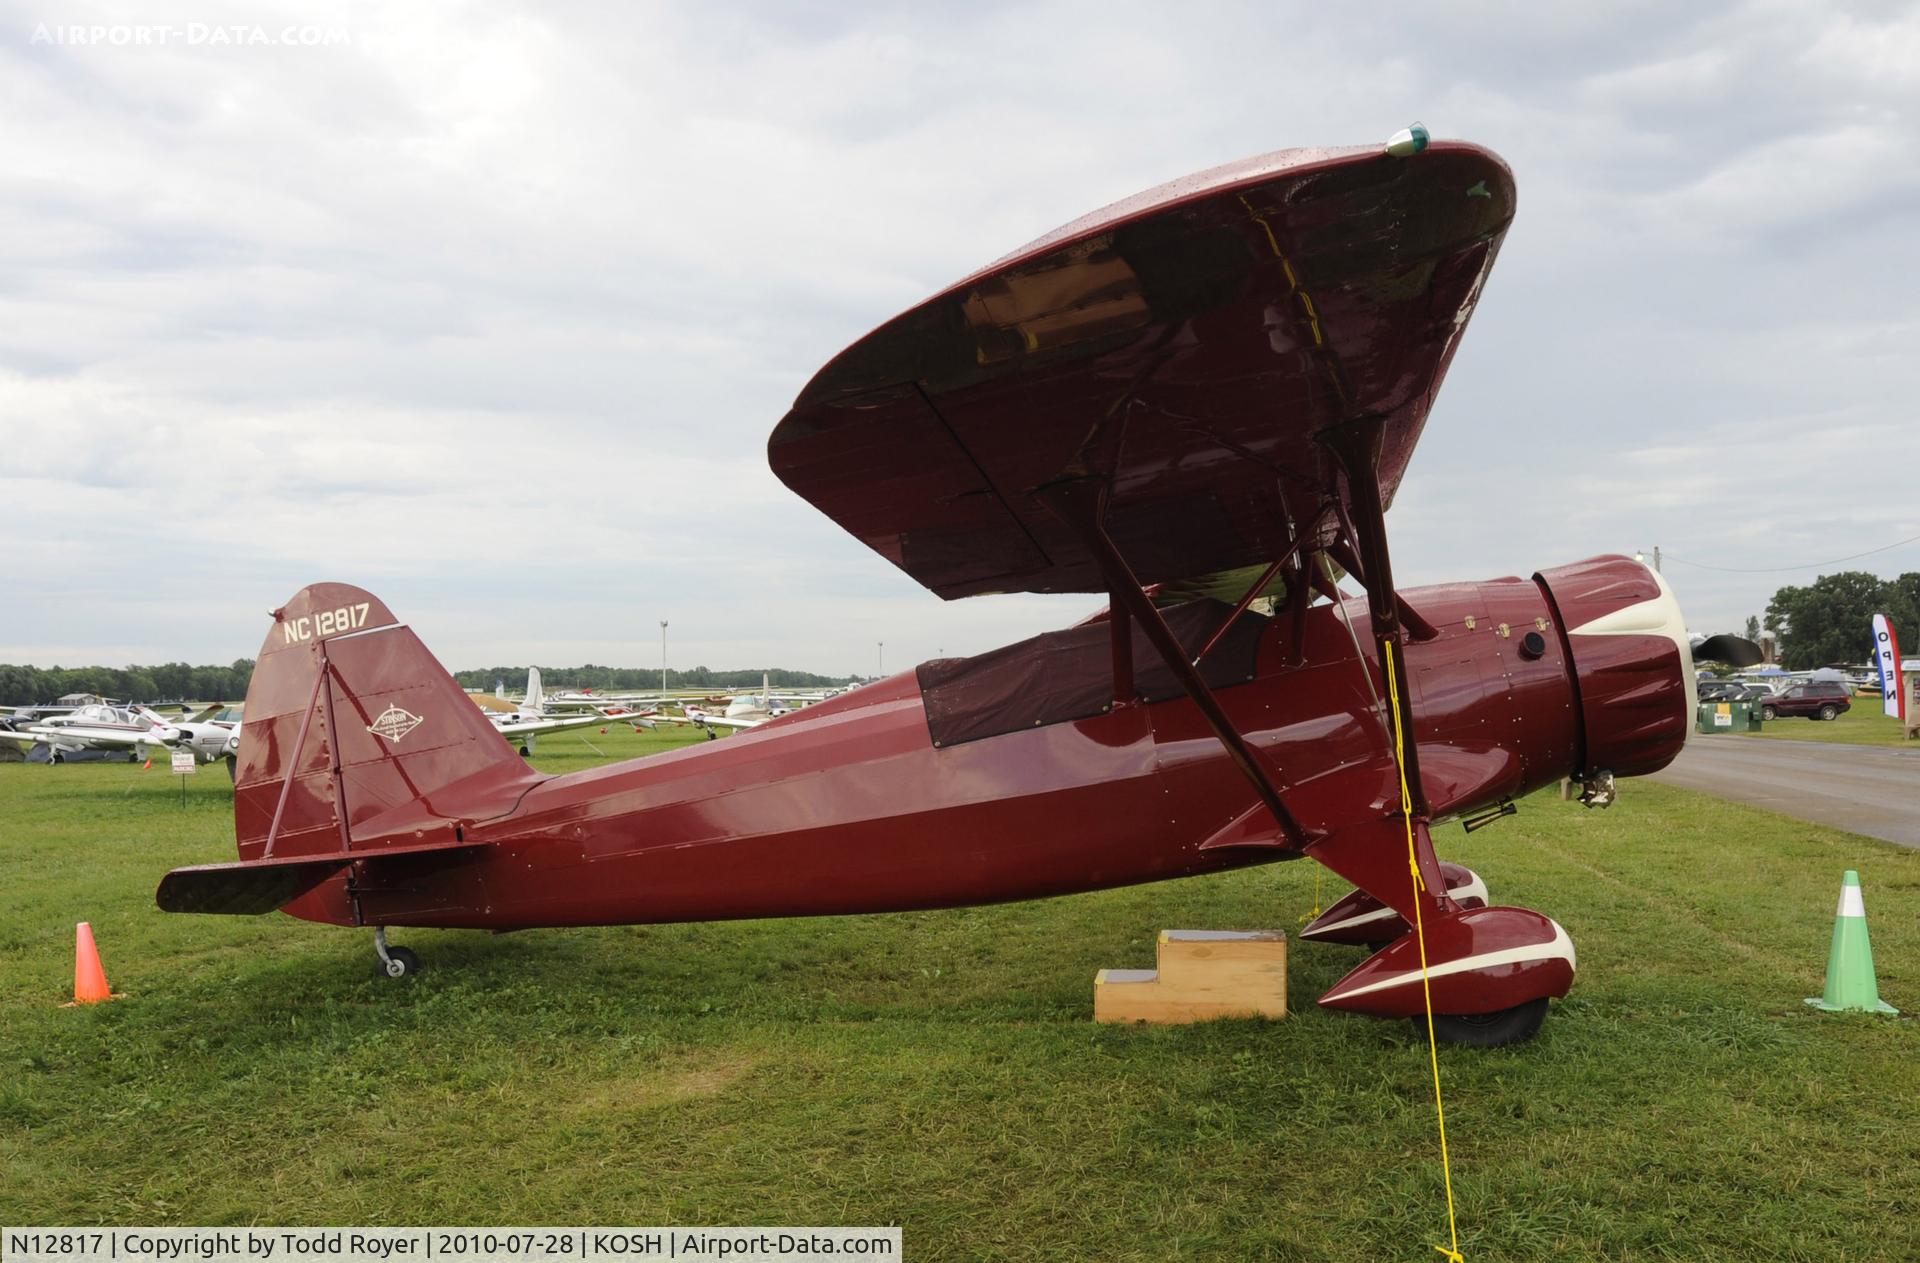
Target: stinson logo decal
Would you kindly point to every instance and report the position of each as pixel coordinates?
(394, 724)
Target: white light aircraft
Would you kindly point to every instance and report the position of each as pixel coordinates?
(97, 727)
(211, 733)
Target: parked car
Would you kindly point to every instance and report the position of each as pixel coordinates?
(1825, 699)
(1731, 691)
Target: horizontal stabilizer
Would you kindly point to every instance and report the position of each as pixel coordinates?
(249, 888)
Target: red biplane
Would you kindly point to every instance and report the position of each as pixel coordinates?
(1199, 402)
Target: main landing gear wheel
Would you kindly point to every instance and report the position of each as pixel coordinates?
(1490, 1030)
(525, 753)
(394, 962)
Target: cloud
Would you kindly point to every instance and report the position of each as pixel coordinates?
(492, 307)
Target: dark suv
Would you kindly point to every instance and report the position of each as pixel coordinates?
(1820, 700)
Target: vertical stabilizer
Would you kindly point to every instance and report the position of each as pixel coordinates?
(348, 718)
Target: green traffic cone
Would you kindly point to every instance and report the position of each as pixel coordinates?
(1850, 983)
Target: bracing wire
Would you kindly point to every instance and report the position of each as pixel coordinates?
(1803, 565)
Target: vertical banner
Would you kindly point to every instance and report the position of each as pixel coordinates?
(1886, 656)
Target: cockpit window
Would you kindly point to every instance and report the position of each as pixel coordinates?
(1066, 675)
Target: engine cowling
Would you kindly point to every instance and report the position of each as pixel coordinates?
(1632, 666)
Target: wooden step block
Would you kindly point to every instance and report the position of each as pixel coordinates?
(1202, 974)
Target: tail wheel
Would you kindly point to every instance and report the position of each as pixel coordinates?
(400, 963)
(1516, 1025)
(1829, 711)
(1769, 714)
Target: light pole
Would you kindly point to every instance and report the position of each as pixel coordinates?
(663, 657)
(880, 659)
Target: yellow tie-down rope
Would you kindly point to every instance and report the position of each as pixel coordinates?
(1420, 933)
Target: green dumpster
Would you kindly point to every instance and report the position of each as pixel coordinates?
(1727, 717)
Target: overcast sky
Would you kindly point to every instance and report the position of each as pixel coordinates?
(489, 308)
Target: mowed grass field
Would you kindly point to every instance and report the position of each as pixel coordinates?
(1864, 725)
(941, 1071)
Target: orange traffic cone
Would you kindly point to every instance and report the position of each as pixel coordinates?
(89, 979)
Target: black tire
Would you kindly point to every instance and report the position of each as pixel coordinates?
(56, 757)
(1769, 714)
(1516, 1025)
(398, 958)
(525, 753)
(1829, 711)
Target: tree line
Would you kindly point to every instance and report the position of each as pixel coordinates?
(1831, 619)
(177, 681)
(170, 681)
(637, 679)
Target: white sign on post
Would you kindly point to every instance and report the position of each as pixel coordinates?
(184, 764)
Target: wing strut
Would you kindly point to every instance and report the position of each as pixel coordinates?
(1356, 444)
(1081, 504)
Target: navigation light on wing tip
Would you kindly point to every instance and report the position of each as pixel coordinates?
(1408, 141)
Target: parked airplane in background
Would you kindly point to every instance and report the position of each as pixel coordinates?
(210, 733)
(575, 699)
(1224, 376)
(96, 727)
(748, 710)
(531, 718)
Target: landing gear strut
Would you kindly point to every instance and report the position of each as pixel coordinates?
(395, 962)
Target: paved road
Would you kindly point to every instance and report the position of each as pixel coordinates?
(1873, 790)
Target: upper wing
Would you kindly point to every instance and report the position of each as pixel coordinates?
(1185, 345)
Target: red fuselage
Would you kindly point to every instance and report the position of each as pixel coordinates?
(849, 807)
